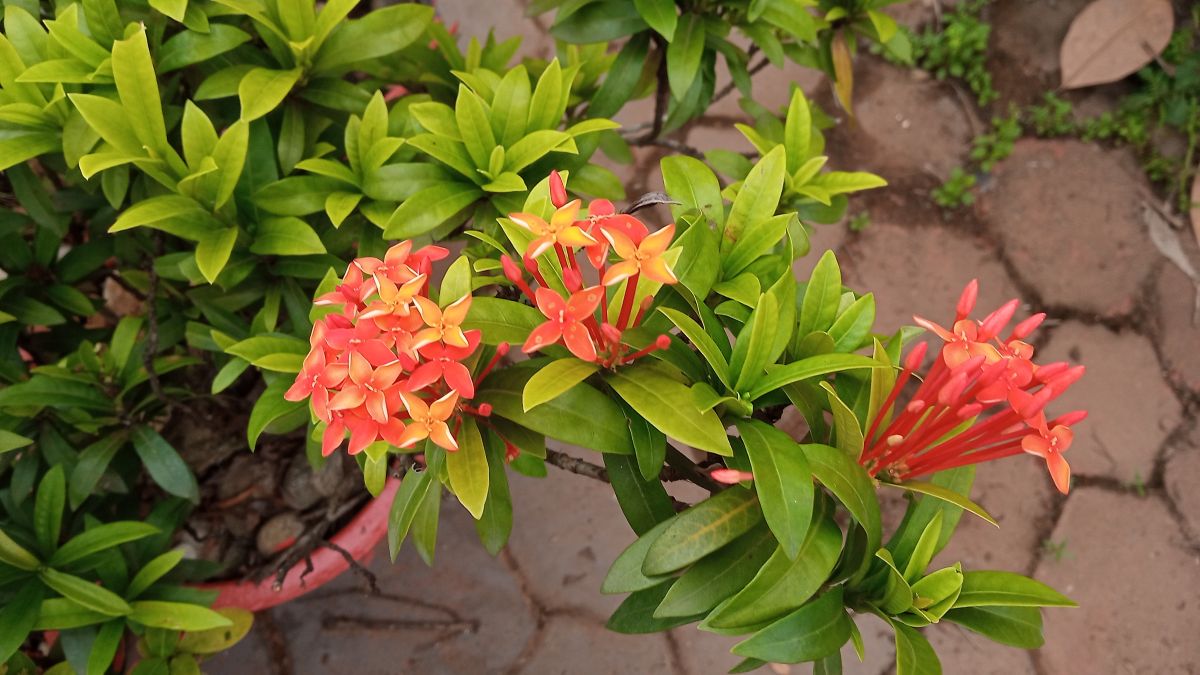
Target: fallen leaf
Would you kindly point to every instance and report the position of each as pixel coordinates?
(1110, 39)
(1168, 244)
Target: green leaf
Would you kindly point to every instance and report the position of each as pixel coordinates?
(100, 538)
(914, 654)
(581, 416)
(104, 648)
(474, 125)
(635, 615)
(922, 510)
(152, 571)
(848, 430)
(176, 616)
(625, 575)
(702, 341)
(654, 395)
(783, 481)
(719, 575)
(155, 210)
(699, 265)
(380, 33)
(545, 106)
(534, 146)
(430, 208)
(64, 614)
(213, 251)
(286, 235)
(137, 85)
(10, 441)
(822, 296)
(813, 366)
(48, 509)
(621, 81)
(496, 524)
(644, 503)
(263, 89)
(1006, 589)
(553, 379)
(757, 198)
(12, 553)
(812, 632)
(164, 464)
(189, 47)
(752, 351)
(649, 446)
(602, 21)
(660, 14)
(85, 593)
(798, 131)
(915, 566)
(270, 408)
(468, 468)
(272, 351)
(685, 52)
(510, 106)
(784, 584)
(18, 617)
(502, 320)
(219, 639)
(702, 529)
(944, 494)
(408, 500)
(850, 484)
(1013, 626)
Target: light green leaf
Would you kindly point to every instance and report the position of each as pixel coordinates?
(758, 196)
(702, 529)
(287, 235)
(263, 89)
(813, 366)
(685, 52)
(430, 208)
(783, 481)
(213, 251)
(176, 616)
(554, 379)
(1006, 589)
(946, 495)
(85, 593)
(137, 85)
(655, 395)
(468, 468)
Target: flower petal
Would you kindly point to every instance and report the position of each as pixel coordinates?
(577, 339)
(550, 303)
(458, 378)
(1060, 471)
(425, 375)
(584, 303)
(440, 434)
(620, 272)
(443, 408)
(656, 269)
(656, 244)
(545, 334)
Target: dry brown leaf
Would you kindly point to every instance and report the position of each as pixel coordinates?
(1110, 39)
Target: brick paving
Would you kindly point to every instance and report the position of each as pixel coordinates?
(1058, 224)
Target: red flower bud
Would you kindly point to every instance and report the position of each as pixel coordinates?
(558, 191)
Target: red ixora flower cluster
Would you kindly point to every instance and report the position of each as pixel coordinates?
(572, 320)
(390, 366)
(975, 372)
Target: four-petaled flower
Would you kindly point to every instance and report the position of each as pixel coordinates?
(316, 378)
(373, 389)
(429, 421)
(561, 230)
(644, 259)
(565, 319)
(442, 324)
(1049, 444)
(444, 362)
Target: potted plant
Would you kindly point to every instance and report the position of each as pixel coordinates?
(188, 178)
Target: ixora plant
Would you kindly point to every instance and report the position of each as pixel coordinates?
(698, 335)
(185, 182)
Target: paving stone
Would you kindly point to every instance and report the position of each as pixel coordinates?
(567, 530)
(962, 651)
(1135, 582)
(1178, 332)
(917, 13)
(506, 17)
(1181, 477)
(466, 585)
(1068, 214)
(904, 121)
(879, 645)
(702, 652)
(1131, 409)
(573, 646)
(922, 270)
(1018, 493)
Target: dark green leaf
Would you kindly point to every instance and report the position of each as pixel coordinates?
(85, 593)
(164, 464)
(17, 618)
(625, 575)
(636, 614)
(719, 575)
(496, 524)
(783, 481)
(850, 484)
(645, 503)
(48, 509)
(99, 538)
(1013, 626)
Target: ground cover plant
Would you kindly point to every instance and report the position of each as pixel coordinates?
(375, 254)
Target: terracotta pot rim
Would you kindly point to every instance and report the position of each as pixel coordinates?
(358, 538)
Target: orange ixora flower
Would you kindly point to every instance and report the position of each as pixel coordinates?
(566, 319)
(394, 300)
(644, 259)
(429, 420)
(560, 231)
(442, 324)
(1049, 444)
